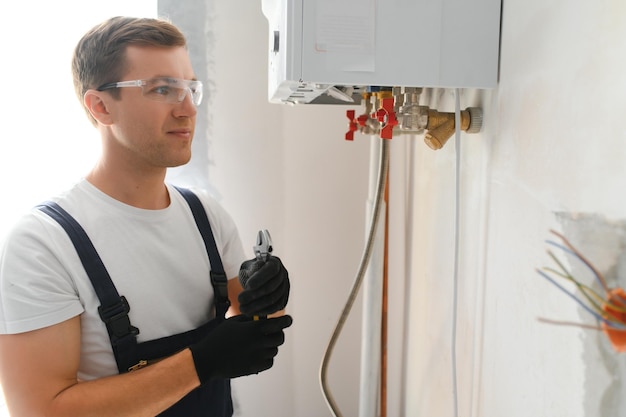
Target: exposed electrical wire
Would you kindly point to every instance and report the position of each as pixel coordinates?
(367, 252)
(596, 301)
(568, 323)
(573, 251)
(581, 303)
(608, 309)
(588, 293)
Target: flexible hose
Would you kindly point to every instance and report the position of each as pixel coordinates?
(367, 252)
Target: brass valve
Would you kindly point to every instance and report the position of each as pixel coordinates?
(390, 113)
(441, 126)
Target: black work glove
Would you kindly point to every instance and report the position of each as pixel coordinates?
(239, 346)
(266, 286)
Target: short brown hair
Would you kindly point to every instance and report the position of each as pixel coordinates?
(100, 55)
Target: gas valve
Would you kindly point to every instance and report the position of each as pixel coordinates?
(366, 123)
(386, 114)
(400, 113)
(352, 125)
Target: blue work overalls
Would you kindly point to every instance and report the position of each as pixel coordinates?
(210, 399)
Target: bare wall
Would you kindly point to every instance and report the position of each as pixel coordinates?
(551, 155)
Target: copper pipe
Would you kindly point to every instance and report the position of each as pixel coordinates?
(383, 327)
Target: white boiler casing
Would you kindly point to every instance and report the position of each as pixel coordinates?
(318, 44)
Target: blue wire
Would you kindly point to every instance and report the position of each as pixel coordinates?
(571, 252)
(583, 305)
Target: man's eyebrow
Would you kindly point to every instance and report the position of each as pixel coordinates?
(169, 80)
(172, 79)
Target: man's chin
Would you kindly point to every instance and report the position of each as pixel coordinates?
(180, 161)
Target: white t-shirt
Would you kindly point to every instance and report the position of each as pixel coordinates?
(156, 259)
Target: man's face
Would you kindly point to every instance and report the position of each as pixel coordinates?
(153, 134)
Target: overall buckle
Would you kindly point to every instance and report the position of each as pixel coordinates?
(116, 319)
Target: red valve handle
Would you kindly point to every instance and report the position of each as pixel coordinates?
(362, 119)
(387, 117)
(352, 125)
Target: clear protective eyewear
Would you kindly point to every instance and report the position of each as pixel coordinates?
(166, 89)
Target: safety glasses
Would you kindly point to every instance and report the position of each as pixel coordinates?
(165, 89)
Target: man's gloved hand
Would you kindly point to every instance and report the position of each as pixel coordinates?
(239, 346)
(266, 286)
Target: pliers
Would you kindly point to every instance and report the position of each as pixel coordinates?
(263, 248)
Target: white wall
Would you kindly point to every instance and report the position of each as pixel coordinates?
(557, 159)
(551, 155)
(289, 169)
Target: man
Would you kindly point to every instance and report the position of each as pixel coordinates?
(163, 346)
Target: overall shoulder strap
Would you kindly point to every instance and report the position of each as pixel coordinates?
(113, 307)
(219, 280)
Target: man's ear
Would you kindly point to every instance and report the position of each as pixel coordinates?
(98, 105)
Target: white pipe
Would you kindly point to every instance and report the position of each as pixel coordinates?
(371, 326)
(457, 223)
